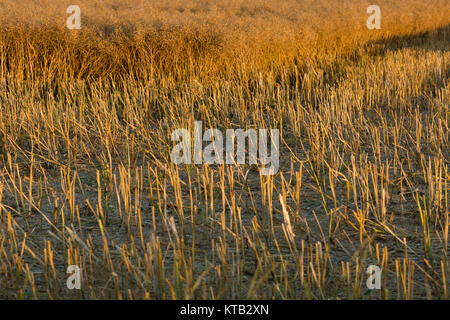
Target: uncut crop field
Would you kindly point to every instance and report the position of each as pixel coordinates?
(88, 185)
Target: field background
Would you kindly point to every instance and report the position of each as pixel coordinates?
(86, 178)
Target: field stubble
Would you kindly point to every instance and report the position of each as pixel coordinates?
(86, 178)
